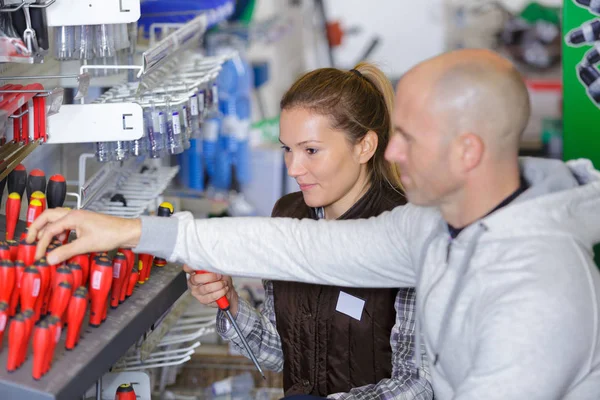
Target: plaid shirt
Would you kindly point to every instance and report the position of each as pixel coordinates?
(259, 328)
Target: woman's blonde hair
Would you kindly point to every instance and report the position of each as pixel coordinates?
(356, 101)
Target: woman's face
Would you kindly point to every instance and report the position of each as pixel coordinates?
(327, 167)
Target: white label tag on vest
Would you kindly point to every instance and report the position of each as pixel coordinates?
(350, 305)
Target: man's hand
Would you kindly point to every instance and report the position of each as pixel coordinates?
(207, 288)
(95, 232)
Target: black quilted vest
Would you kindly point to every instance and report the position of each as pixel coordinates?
(326, 351)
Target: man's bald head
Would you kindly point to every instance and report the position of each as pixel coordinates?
(476, 91)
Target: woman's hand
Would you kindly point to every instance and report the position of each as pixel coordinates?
(95, 232)
(207, 288)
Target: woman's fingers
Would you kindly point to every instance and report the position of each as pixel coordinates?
(202, 279)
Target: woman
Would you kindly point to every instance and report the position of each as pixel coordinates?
(332, 341)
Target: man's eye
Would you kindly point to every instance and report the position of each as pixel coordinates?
(286, 149)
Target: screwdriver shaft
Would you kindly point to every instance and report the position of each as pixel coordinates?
(246, 345)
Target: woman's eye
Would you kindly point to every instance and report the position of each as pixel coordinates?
(286, 149)
(312, 151)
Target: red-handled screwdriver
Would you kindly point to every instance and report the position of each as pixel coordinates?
(119, 274)
(13, 209)
(84, 262)
(130, 257)
(13, 246)
(41, 306)
(34, 210)
(31, 283)
(100, 283)
(39, 196)
(8, 278)
(4, 251)
(77, 273)
(145, 264)
(42, 338)
(26, 252)
(60, 299)
(75, 316)
(14, 298)
(56, 191)
(16, 335)
(3, 319)
(224, 306)
(36, 182)
(29, 315)
(164, 210)
(133, 279)
(125, 392)
(55, 329)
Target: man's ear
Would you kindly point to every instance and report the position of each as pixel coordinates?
(366, 147)
(471, 149)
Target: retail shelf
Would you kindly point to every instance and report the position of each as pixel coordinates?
(73, 372)
(92, 12)
(79, 123)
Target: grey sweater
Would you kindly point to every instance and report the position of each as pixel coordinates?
(510, 309)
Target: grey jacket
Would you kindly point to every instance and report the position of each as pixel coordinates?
(509, 309)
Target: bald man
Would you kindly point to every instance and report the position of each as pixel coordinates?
(499, 248)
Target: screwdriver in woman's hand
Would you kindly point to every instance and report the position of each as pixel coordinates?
(224, 306)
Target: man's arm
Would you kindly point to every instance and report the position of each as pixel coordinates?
(533, 337)
(259, 329)
(405, 383)
(371, 252)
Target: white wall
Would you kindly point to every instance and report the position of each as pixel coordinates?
(410, 31)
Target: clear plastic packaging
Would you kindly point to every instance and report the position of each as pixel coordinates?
(104, 151)
(156, 134)
(174, 132)
(64, 42)
(104, 49)
(121, 150)
(194, 117)
(84, 42)
(139, 147)
(186, 118)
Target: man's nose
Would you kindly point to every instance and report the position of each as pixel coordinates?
(396, 149)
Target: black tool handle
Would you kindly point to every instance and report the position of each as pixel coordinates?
(17, 180)
(36, 182)
(56, 191)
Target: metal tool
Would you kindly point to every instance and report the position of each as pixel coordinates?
(224, 306)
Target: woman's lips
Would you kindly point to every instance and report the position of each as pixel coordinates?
(304, 187)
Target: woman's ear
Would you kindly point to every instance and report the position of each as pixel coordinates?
(366, 147)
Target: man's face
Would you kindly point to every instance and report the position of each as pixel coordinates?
(421, 145)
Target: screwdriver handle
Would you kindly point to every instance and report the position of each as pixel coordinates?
(41, 340)
(38, 196)
(222, 302)
(36, 182)
(17, 180)
(34, 210)
(56, 191)
(13, 209)
(16, 335)
(75, 315)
